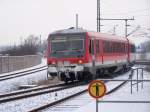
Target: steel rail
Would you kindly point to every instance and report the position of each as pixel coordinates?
(1, 76)
(31, 90)
(22, 74)
(72, 96)
(27, 95)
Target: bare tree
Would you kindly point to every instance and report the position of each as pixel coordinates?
(29, 46)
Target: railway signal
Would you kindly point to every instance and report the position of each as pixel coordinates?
(97, 89)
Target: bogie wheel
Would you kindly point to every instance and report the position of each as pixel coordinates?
(49, 77)
(80, 76)
(87, 76)
(66, 81)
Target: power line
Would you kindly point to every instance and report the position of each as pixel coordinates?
(126, 25)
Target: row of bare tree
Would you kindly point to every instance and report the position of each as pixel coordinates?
(29, 46)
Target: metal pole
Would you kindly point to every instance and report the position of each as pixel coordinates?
(76, 21)
(1, 64)
(8, 64)
(131, 80)
(114, 30)
(126, 28)
(96, 105)
(131, 86)
(40, 45)
(142, 79)
(137, 80)
(98, 16)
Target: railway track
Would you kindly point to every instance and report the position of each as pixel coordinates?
(29, 102)
(35, 91)
(22, 73)
(55, 103)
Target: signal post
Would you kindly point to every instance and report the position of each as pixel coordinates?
(97, 89)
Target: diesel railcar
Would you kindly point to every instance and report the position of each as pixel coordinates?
(78, 54)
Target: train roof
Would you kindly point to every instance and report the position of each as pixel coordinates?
(104, 36)
(71, 30)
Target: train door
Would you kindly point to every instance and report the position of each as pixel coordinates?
(98, 56)
(92, 52)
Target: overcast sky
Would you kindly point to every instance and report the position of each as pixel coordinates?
(20, 18)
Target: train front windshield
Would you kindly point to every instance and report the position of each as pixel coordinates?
(67, 46)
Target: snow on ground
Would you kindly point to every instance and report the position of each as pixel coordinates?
(123, 95)
(29, 103)
(77, 102)
(13, 84)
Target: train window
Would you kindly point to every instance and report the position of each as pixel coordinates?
(113, 47)
(119, 47)
(116, 47)
(91, 46)
(124, 48)
(97, 47)
(104, 46)
(107, 47)
(132, 48)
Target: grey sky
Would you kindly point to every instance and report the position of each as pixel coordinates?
(20, 18)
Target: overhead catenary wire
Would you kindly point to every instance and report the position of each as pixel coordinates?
(137, 13)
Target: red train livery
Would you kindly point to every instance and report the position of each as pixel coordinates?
(78, 54)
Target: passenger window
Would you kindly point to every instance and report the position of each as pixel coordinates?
(97, 47)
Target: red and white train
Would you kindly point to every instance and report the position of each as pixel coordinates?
(78, 54)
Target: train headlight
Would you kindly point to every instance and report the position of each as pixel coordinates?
(53, 62)
(80, 62)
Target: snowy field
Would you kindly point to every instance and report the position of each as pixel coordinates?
(13, 84)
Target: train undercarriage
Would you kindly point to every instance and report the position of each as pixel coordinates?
(80, 73)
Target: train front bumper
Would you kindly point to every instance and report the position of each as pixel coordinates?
(55, 70)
